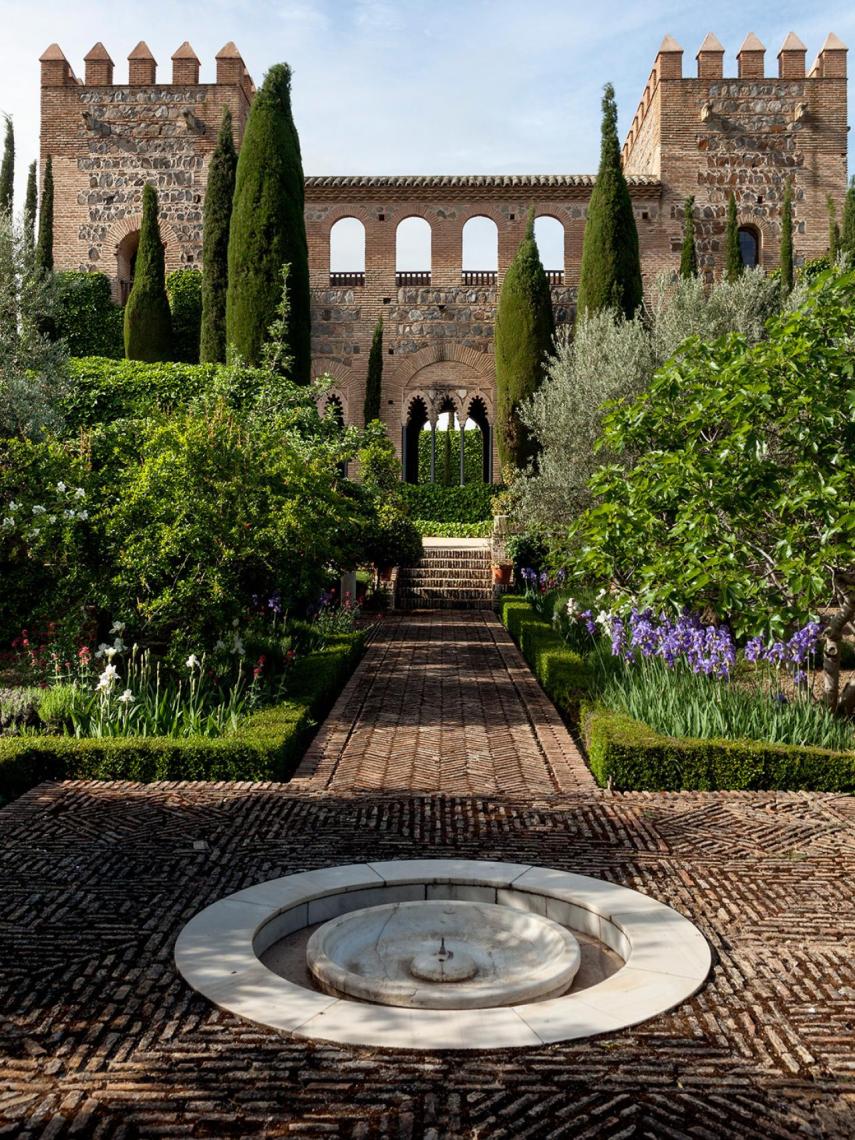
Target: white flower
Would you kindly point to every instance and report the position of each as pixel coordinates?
(37, 510)
(220, 646)
(51, 518)
(8, 521)
(13, 506)
(102, 649)
(126, 697)
(68, 514)
(571, 607)
(235, 623)
(83, 515)
(110, 652)
(238, 645)
(35, 533)
(192, 661)
(108, 677)
(80, 493)
(61, 487)
(604, 619)
(117, 627)
(119, 645)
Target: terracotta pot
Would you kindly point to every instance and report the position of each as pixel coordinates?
(502, 574)
(385, 573)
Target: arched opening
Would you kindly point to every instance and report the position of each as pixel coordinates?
(347, 252)
(126, 263)
(413, 252)
(478, 416)
(549, 235)
(480, 251)
(749, 246)
(417, 417)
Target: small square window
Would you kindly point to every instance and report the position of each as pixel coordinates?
(381, 217)
(391, 352)
(387, 300)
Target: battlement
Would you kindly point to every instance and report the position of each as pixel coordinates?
(56, 71)
(830, 63)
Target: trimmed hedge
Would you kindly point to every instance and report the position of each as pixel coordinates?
(85, 316)
(626, 754)
(430, 529)
(102, 390)
(471, 503)
(267, 746)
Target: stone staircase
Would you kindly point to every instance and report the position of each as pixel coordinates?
(453, 574)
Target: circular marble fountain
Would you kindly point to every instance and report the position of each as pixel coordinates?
(659, 959)
(443, 955)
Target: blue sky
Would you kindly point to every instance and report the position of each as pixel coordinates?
(415, 86)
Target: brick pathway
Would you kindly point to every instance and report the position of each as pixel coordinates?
(100, 1037)
(444, 702)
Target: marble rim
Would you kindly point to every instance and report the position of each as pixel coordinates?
(666, 958)
(336, 979)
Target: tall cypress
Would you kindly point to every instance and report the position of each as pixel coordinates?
(7, 170)
(610, 275)
(44, 245)
(833, 230)
(847, 234)
(148, 323)
(374, 382)
(524, 332)
(215, 244)
(787, 238)
(268, 229)
(733, 265)
(688, 254)
(30, 206)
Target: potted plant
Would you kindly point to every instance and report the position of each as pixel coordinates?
(502, 572)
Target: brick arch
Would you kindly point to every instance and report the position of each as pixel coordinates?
(131, 222)
(413, 385)
(447, 350)
(342, 387)
(337, 213)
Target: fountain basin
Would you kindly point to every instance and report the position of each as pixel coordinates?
(443, 954)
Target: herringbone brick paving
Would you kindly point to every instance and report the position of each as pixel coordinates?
(444, 702)
(100, 1037)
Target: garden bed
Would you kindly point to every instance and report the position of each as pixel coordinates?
(625, 754)
(268, 745)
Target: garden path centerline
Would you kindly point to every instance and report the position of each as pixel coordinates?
(444, 702)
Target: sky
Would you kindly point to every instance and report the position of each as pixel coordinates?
(415, 86)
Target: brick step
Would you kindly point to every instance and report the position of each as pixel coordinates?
(445, 603)
(414, 577)
(435, 560)
(432, 596)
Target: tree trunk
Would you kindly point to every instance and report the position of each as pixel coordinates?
(832, 644)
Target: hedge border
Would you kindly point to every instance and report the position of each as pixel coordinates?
(267, 746)
(626, 754)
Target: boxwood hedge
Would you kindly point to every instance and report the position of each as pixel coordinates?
(625, 754)
(267, 746)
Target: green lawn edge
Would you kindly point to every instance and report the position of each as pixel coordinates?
(627, 755)
(268, 745)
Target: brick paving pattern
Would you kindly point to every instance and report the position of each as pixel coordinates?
(100, 1037)
(444, 702)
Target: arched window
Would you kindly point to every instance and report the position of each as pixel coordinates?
(126, 263)
(749, 246)
(549, 235)
(480, 251)
(347, 252)
(417, 417)
(413, 252)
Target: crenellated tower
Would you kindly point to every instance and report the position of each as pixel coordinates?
(108, 139)
(710, 134)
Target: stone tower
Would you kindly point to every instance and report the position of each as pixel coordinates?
(108, 139)
(710, 134)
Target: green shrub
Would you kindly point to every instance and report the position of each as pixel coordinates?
(55, 707)
(267, 746)
(148, 322)
(101, 391)
(470, 503)
(394, 540)
(430, 529)
(85, 316)
(184, 291)
(19, 708)
(473, 457)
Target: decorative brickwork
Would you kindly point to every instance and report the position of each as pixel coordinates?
(702, 136)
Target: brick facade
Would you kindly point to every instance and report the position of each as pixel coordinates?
(705, 135)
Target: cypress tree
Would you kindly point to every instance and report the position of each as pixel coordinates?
(215, 244)
(7, 170)
(733, 266)
(833, 230)
(30, 206)
(525, 328)
(268, 229)
(148, 323)
(787, 238)
(847, 235)
(44, 245)
(374, 382)
(610, 275)
(688, 254)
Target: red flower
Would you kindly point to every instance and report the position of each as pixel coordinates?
(84, 653)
